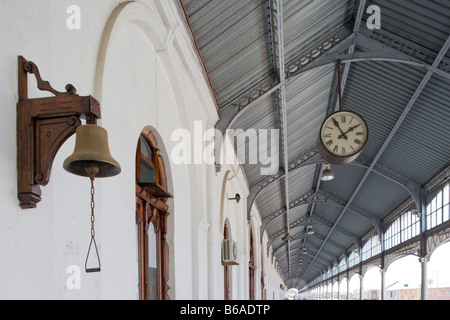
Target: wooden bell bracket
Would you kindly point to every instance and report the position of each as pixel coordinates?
(43, 125)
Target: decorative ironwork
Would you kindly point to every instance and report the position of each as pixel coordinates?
(253, 94)
(330, 42)
(436, 240)
(413, 248)
(400, 44)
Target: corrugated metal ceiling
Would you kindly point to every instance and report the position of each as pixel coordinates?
(238, 42)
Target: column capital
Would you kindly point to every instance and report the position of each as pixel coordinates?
(424, 259)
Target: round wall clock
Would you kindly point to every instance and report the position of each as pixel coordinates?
(342, 137)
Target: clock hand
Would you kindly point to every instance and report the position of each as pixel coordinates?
(349, 130)
(342, 132)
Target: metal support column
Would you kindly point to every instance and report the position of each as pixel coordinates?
(383, 284)
(348, 287)
(361, 281)
(424, 287)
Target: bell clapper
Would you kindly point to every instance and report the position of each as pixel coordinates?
(91, 169)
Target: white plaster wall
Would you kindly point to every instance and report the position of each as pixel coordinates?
(138, 60)
(38, 245)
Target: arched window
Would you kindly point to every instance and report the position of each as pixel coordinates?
(151, 219)
(251, 269)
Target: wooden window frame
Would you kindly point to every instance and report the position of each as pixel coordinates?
(152, 210)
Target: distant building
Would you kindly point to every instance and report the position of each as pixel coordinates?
(439, 293)
(414, 294)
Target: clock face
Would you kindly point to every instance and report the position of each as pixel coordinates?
(344, 134)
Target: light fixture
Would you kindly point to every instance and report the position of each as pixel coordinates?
(287, 237)
(43, 125)
(309, 230)
(327, 174)
(304, 251)
(237, 198)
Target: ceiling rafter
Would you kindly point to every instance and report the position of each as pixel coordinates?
(382, 44)
(333, 256)
(339, 247)
(390, 43)
(389, 55)
(325, 197)
(356, 240)
(349, 41)
(315, 235)
(320, 196)
(335, 43)
(319, 220)
(276, 23)
(282, 257)
(394, 130)
(282, 232)
(311, 157)
(313, 206)
(298, 237)
(303, 199)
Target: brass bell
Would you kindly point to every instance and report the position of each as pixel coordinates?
(91, 156)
